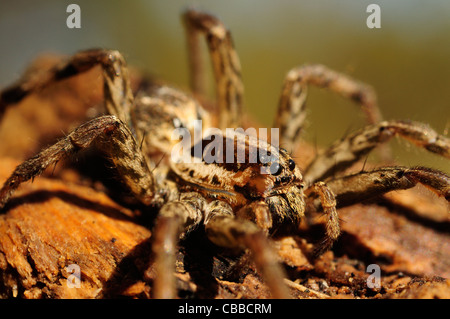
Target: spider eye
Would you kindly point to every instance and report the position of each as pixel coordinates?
(291, 164)
(275, 169)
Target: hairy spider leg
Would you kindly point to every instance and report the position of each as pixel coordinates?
(291, 112)
(362, 186)
(177, 218)
(346, 151)
(117, 89)
(225, 62)
(327, 200)
(107, 133)
(225, 230)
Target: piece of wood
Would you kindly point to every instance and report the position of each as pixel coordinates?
(50, 225)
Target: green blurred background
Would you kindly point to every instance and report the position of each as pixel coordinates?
(407, 61)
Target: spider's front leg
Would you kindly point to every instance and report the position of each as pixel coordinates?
(177, 218)
(362, 186)
(292, 105)
(353, 189)
(345, 152)
(327, 200)
(225, 230)
(107, 133)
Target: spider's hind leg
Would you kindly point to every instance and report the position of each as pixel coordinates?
(110, 135)
(226, 65)
(117, 89)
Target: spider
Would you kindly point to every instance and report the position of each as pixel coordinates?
(239, 205)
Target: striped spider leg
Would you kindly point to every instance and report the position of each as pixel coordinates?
(291, 112)
(350, 189)
(225, 62)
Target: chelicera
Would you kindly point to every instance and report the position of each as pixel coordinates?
(239, 204)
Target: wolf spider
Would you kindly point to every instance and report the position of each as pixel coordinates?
(237, 204)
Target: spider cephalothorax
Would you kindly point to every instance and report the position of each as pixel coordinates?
(256, 171)
(238, 194)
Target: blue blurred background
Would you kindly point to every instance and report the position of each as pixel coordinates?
(407, 61)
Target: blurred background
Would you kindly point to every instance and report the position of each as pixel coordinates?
(407, 61)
